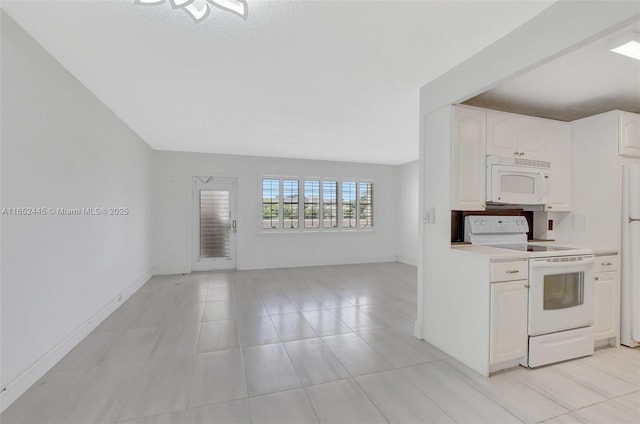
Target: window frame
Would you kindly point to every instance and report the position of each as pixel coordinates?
(301, 202)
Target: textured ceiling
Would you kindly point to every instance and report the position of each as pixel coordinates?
(585, 82)
(335, 80)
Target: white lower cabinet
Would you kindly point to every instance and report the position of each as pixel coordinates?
(606, 297)
(508, 321)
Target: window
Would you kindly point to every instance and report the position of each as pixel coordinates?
(311, 204)
(270, 204)
(329, 204)
(349, 204)
(365, 194)
(291, 204)
(316, 204)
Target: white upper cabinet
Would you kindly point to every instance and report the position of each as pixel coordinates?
(629, 134)
(517, 136)
(558, 141)
(468, 159)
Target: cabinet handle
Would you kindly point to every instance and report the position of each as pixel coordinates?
(606, 264)
(527, 285)
(514, 271)
(596, 278)
(521, 153)
(516, 153)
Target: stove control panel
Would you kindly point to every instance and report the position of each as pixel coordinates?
(488, 224)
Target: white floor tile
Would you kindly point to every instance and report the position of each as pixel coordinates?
(289, 407)
(176, 341)
(356, 355)
(560, 389)
(268, 370)
(625, 409)
(218, 335)
(254, 331)
(392, 348)
(218, 311)
(101, 394)
(233, 412)
(131, 346)
(162, 386)
(325, 323)
(356, 319)
(457, 399)
(512, 394)
(314, 362)
(600, 382)
(292, 327)
(399, 400)
(217, 377)
(343, 401)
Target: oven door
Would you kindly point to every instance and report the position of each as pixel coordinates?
(560, 293)
(519, 185)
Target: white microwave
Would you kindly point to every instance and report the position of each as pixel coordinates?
(513, 181)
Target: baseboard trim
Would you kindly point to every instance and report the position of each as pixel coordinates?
(407, 260)
(317, 262)
(171, 270)
(31, 375)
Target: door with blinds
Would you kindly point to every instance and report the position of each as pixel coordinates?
(215, 226)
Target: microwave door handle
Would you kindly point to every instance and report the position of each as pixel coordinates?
(542, 192)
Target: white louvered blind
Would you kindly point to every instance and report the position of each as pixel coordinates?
(214, 224)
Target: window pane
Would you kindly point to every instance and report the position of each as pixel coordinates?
(291, 204)
(366, 205)
(214, 224)
(270, 203)
(563, 291)
(348, 204)
(311, 204)
(330, 204)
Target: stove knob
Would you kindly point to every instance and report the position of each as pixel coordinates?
(483, 222)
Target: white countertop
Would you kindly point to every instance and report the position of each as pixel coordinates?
(493, 252)
(503, 254)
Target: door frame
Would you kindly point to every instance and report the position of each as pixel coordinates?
(194, 226)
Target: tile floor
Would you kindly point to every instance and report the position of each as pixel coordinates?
(304, 345)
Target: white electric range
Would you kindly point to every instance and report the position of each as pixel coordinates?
(560, 311)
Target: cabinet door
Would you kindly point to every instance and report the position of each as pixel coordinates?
(508, 321)
(468, 157)
(558, 141)
(606, 313)
(533, 137)
(629, 134)
(502, 134)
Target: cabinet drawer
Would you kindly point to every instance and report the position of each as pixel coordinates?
(606, 263)
(509, 271)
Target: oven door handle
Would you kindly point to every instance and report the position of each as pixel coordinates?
(542, 263)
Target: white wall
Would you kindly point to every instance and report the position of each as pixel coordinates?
(172, 176)
(407, 213)
(453, 287)
(61, 147)
(596, 184)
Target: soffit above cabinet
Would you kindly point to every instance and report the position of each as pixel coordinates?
(582, 83)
